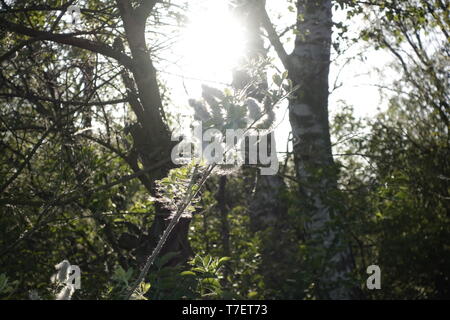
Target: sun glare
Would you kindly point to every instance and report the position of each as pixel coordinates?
(212, 43)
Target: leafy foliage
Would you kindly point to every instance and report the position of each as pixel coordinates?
(75, 183)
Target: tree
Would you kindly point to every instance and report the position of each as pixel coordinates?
(308, 68)
(110, 51)
(86, 175)
(398, 194)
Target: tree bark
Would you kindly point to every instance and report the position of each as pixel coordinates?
(308, 67)
(151, 135)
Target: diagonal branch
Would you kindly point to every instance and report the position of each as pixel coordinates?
(274, 38)
(146, 7)
(69, 39)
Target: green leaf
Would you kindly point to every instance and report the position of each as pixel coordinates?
(223, 260)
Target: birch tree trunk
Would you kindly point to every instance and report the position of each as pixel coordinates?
(308, 67)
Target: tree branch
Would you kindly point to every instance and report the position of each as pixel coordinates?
(69, 39)
(274, 38)
(146, 7)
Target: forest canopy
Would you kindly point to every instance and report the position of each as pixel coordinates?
(261, 185)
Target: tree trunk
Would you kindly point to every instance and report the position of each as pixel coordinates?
(308, 114)
(151, 136)
(308, 67)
